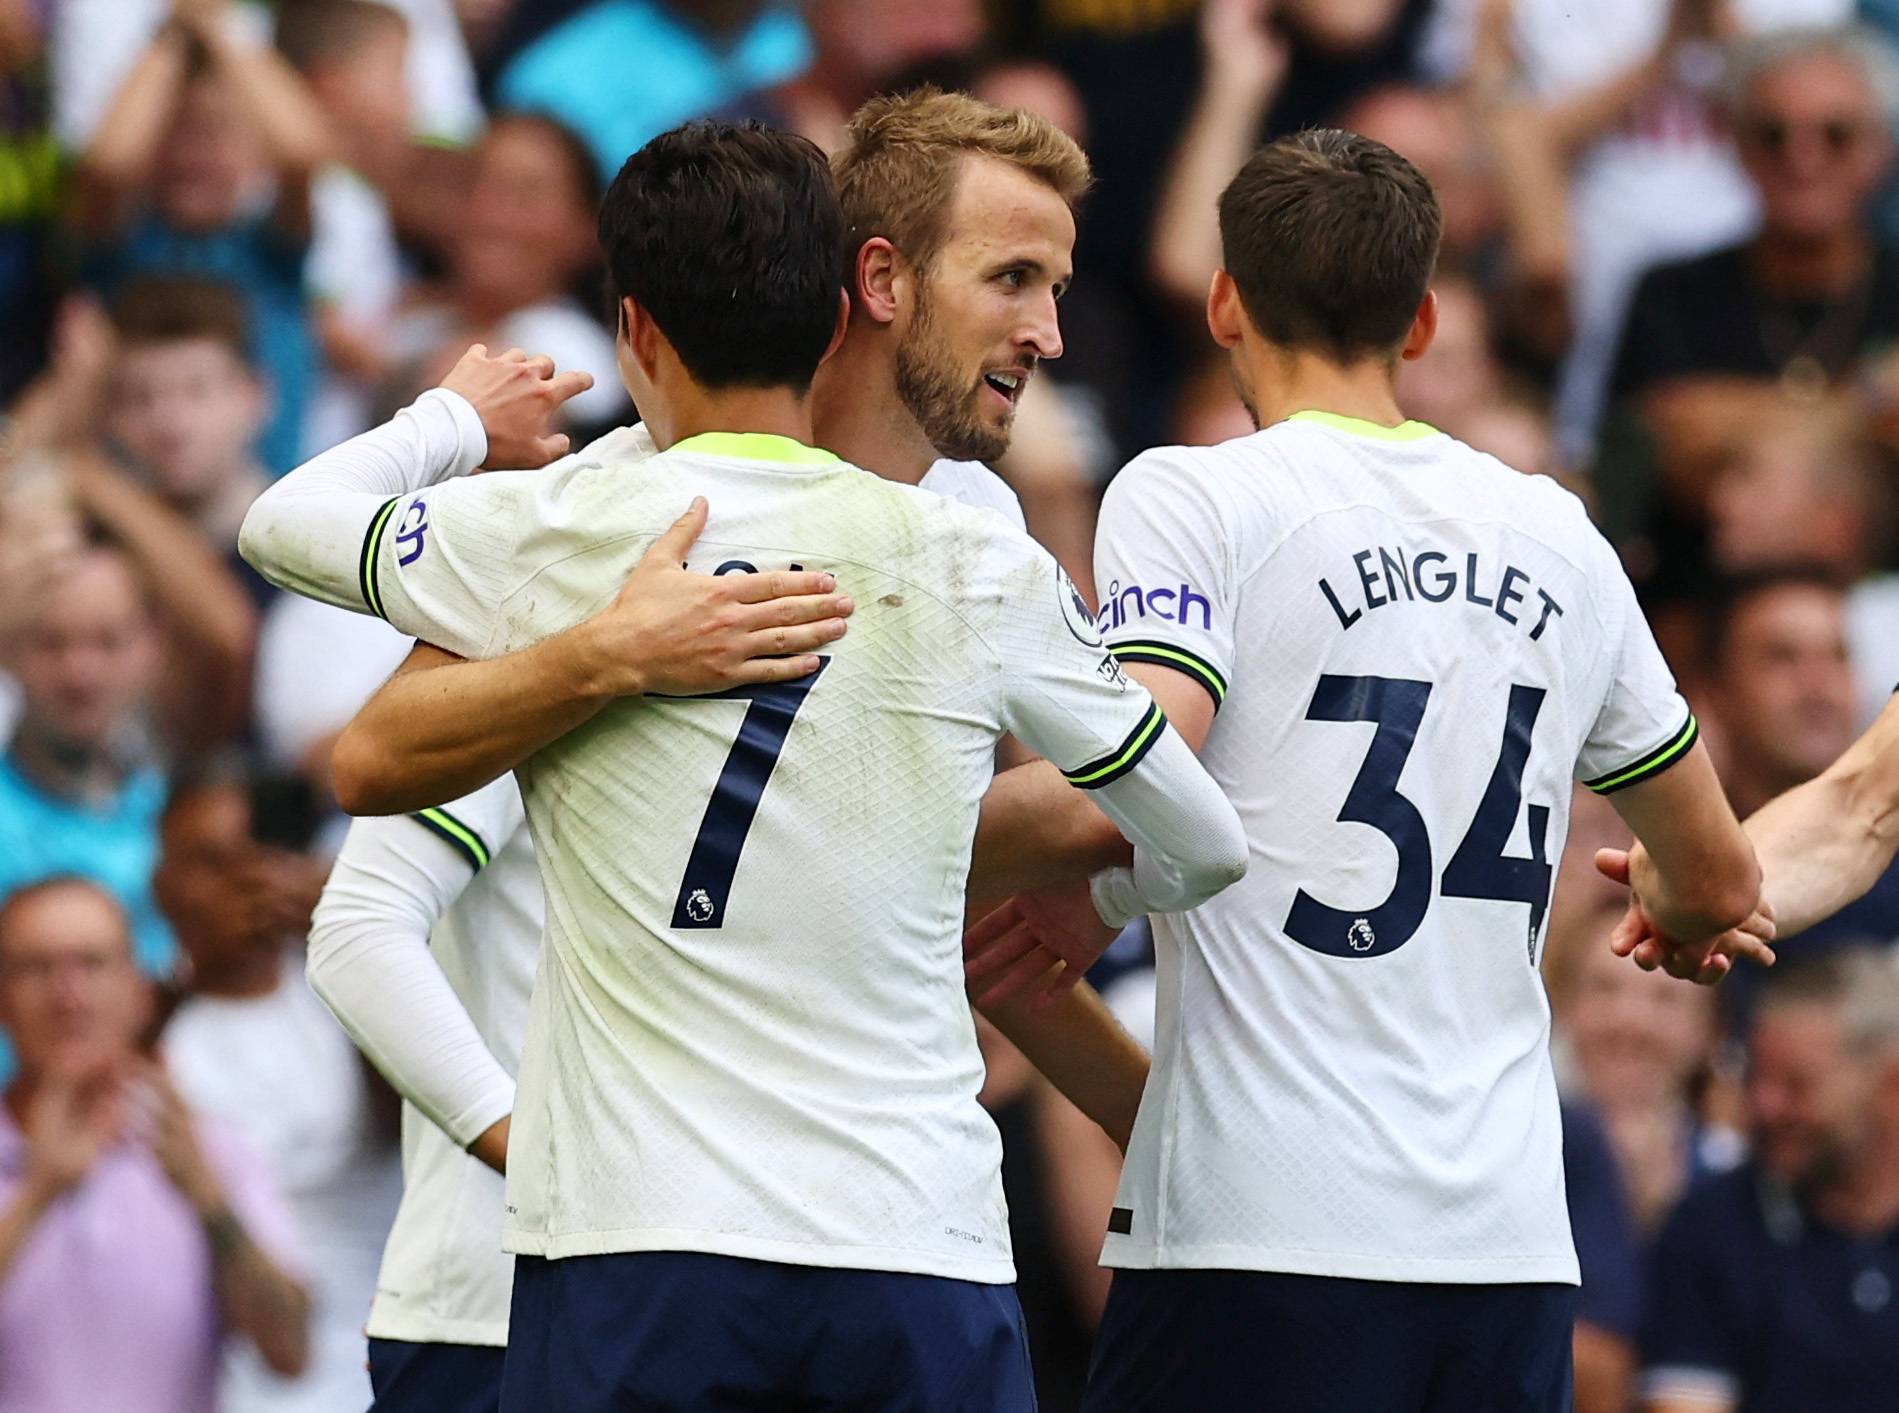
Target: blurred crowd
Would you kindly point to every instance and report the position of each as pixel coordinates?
(232, 234)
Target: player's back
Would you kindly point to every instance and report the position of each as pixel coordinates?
(1415, 647)
(749, 1033)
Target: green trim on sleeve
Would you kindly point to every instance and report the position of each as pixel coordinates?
(1123, 758)
(1180, 660)
(372, 546)
(465, 841)
(1650, 765)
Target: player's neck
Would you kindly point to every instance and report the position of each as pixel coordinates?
(777, 412)
(1284, 383)
(860, 417)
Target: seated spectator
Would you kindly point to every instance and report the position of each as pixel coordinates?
(172, 179)
(1805, 486)
(524, 244)
(1459, 386)
(1264, 68)
(1772, 1288)
(1516, 430)
(1796, 310)
(134, 1235)
(80, 785)
(1782, 707)
(1806, 297)
(185, 405)
(1611, 152)
(1243, 63)
(253, 1047)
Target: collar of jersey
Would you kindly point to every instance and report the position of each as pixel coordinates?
(755, 446)
(1359, 427)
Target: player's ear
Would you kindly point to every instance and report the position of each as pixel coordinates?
(1423, 328)
(876, 274)
(639, 337)
(1226, 320)
(839, 329)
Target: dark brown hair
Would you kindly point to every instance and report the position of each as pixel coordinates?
(1330, 238)
(728, 237)
(174, 308)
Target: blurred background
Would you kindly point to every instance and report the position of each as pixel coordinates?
(233, 234)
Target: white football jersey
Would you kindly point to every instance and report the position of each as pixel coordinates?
(1413, 649)
(445, 1277)
(973, 483)
(749, 1033)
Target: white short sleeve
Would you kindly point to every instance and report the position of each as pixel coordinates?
(439, 563)
(1063, 692)
(479, 823)
(972, 483)
(1645, 724)
(1164, 570)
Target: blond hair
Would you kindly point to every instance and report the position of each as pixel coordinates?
(896, 172)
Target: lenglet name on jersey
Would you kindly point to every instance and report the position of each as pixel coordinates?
(1380, 577)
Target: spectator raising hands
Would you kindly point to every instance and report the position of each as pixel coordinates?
(177, 180)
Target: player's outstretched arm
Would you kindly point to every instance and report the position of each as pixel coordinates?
(1821, 845)
(1824, 843)
(369, 960)
(441, 728)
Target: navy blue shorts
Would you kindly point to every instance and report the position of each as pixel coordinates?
(434, 1378)
(1211, 1341)
(683, 1330)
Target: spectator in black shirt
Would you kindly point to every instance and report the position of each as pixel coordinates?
(1812, 292)
(1796, 311)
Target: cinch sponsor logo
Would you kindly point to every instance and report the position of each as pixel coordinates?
(411, 533)
(1120, 606)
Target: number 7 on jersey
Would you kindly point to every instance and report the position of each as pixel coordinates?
(707, 884)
